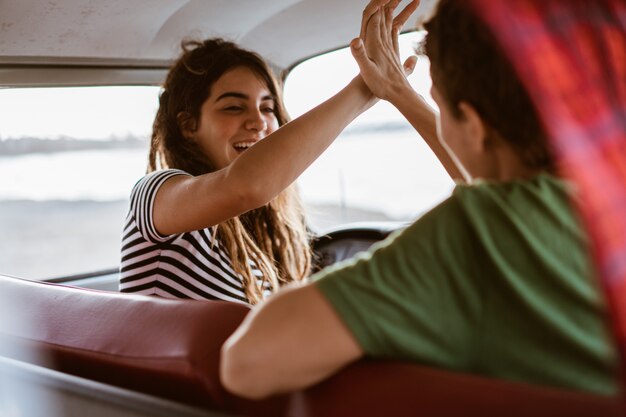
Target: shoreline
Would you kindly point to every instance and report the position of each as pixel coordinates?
(52, 238)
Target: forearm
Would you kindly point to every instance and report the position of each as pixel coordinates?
(262, 172)
(376, 53)
(275, 162)
(424, 119)
(291, 341)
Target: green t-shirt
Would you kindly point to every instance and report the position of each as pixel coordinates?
(496, 280)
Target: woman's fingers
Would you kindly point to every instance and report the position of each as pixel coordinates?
(372, 7)
(399, 21)
(376, 51)
(374, 42)
(396, 44)
(389, 10)
(375, 5)
(387, 25)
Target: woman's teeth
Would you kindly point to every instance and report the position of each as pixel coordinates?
(242, 146)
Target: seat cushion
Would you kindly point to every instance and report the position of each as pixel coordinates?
(377, 388)
(168, 348)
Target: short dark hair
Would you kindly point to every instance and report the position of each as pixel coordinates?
(467, 64)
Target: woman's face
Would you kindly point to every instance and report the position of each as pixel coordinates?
(238, 113)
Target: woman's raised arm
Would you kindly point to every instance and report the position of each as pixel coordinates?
(253, 179)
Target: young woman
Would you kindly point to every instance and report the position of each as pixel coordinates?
(217, 217)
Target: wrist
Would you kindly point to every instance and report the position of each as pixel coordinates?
(369, 99)
(400, 92)
(420, 114)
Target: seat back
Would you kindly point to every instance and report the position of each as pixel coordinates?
(171, 349)
(168, 348)
(376, 388)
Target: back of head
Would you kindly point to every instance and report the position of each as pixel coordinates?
(468, 65)
(187, 86)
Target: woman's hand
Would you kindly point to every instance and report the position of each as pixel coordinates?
(376, 50)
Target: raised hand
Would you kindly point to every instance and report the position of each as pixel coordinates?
(376, 50)
(377, 53)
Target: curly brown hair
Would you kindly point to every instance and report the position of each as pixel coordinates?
(274, 236)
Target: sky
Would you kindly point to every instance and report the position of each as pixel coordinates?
(78, 112)
(103, 112)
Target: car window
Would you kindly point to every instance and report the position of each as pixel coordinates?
(70, 156)
(68, 160)
(379, 168)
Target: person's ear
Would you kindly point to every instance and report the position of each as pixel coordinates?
(475, 129)
(186, 124)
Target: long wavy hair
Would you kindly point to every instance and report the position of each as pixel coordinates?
(273, 237)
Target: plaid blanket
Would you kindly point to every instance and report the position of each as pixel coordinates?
(571, 55)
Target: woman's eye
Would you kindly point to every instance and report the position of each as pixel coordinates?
(233, 108)
(268, 110)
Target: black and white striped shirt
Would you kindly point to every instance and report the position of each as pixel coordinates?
(188, 265)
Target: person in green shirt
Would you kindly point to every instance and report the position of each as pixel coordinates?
(496, 280)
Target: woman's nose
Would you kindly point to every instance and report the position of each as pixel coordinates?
(256, 122)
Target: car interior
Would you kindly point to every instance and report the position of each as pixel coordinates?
(71, 345)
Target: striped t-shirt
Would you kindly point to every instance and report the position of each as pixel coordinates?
(187, 265)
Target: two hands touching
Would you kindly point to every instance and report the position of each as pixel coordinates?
(257, 360)
(377, 53)
(376, 50)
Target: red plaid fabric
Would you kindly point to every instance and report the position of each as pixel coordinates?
(571, 55)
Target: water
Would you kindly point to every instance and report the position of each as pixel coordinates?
(62, 213)
(393, 174)
(396, 175)
(100, 175)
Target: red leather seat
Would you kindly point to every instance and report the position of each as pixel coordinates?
(170, 348)
(384, 388)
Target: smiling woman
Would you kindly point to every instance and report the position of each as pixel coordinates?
(211, 221)
(183, 237)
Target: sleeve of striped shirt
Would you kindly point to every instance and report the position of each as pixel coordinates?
(142, 203)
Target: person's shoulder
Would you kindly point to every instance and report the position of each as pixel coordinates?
(150, 182)
(543, 199)
(158, 176)
(446, 217)
(164, 173)
(542, 188)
